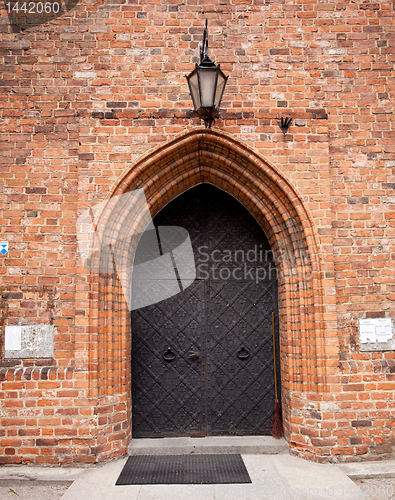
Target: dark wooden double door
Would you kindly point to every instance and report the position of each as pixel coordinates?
(202, 360)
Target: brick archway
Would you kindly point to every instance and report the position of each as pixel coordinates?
(214, 157)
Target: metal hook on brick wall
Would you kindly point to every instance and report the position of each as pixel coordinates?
(285, 123)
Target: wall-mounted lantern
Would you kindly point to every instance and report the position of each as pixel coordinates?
(206, 85)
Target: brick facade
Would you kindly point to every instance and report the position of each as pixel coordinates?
(95, 104)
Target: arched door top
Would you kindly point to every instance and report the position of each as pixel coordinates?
(207, 155)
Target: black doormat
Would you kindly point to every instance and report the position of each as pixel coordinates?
(184, 469)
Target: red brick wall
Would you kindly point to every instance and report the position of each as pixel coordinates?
(87, 103)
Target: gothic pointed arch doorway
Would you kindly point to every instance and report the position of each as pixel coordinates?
(202, 360)
(307, 328)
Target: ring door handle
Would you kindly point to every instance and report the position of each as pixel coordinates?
(243, 353)
(169, 355)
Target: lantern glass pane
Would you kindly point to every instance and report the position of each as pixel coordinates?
(220, 88)
(207, 86)
(194, 88)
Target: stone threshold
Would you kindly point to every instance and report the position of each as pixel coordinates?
(247, 445)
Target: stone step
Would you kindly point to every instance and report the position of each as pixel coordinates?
(247, 445)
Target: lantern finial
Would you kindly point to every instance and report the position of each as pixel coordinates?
(204, 47)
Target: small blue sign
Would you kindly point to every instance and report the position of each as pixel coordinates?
(3, 247)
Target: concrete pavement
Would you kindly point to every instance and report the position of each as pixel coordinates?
(280, 476)
(273, 477)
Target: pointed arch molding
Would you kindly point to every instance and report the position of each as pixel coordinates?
(207, 155)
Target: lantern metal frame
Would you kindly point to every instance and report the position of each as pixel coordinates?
(207, 108)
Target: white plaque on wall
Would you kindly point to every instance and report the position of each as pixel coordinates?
(376, 334)
(367, 331)
(13, 338)
(383, 330)
(29, 341)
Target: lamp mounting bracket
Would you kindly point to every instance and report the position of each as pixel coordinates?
(285, 123)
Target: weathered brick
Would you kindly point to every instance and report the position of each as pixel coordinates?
(361, 423)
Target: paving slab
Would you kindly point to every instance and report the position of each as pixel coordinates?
(309, 480)
(35, 483)
(273, 477)
(99, 484)
(266, 484)
(34, 474)
(378, 489)
(369, 470)
(32, 491)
